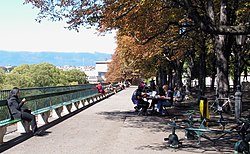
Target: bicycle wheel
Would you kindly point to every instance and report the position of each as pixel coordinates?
(214, 107)
(226, 108)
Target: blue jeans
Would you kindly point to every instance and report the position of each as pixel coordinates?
(162, 103)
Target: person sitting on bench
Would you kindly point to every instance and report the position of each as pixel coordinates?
(16, 111)
(177, 96)
(165, 99)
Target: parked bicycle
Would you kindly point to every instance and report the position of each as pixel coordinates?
(222, 104)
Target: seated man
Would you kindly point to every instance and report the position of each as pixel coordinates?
(165, 99)
(141, 104)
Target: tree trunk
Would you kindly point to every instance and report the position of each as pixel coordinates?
(221, 56)
(170, 75)
(178, 71)
(162, 76)
(235, 73)
(222, 67)
(202, 68)
(189, 74)
(213, 74)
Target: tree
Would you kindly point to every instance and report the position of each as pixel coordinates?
(147, 20)
(134, 59)
(75, 76)
(114, 72)
(220, 27)
(42, 75)
(1, 78)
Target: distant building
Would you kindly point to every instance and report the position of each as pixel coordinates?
(7, 69)
(98, 75)
(81, 68)
(95, 73)
(102, 68)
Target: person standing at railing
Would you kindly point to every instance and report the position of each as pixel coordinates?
(16, 111)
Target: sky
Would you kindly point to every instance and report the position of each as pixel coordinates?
(20, 32)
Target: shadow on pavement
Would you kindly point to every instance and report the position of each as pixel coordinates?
(160, 124)
(25, 136)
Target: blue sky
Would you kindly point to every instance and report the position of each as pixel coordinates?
(20, 32)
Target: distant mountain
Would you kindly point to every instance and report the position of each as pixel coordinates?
(56, 58)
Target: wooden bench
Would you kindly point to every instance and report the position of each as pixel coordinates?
(64, 107)
(3, 127)
(116, 88)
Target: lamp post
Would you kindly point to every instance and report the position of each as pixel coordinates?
(240, 39)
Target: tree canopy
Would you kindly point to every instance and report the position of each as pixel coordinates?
(156, 35)
(40, 75)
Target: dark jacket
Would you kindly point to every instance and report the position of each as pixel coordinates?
(15, 106)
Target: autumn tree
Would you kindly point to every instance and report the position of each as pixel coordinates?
(146, 21)
(220, 19)
(114, 72)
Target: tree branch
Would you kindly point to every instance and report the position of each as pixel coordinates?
(125, 13)
(162, 32)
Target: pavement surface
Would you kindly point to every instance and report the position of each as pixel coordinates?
(110, 126)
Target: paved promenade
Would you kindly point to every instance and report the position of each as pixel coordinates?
(109, 126)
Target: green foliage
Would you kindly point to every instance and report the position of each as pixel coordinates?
(1, 77)
(243, 12)
(4, 113)
(22, 69)
(44, 74)
(157, 25)
(41, 75)
(75, 76)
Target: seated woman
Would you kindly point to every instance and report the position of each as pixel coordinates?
(100, 88)
(165, 99)
(16, 111)
(110, 87)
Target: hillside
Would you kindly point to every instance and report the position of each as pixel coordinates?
(56, 58)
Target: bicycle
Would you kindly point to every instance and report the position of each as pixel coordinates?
(222, 104)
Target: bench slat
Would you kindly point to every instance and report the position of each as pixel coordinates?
(8, 122)
(45, 109)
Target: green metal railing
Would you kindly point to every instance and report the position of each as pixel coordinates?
(38, 98)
